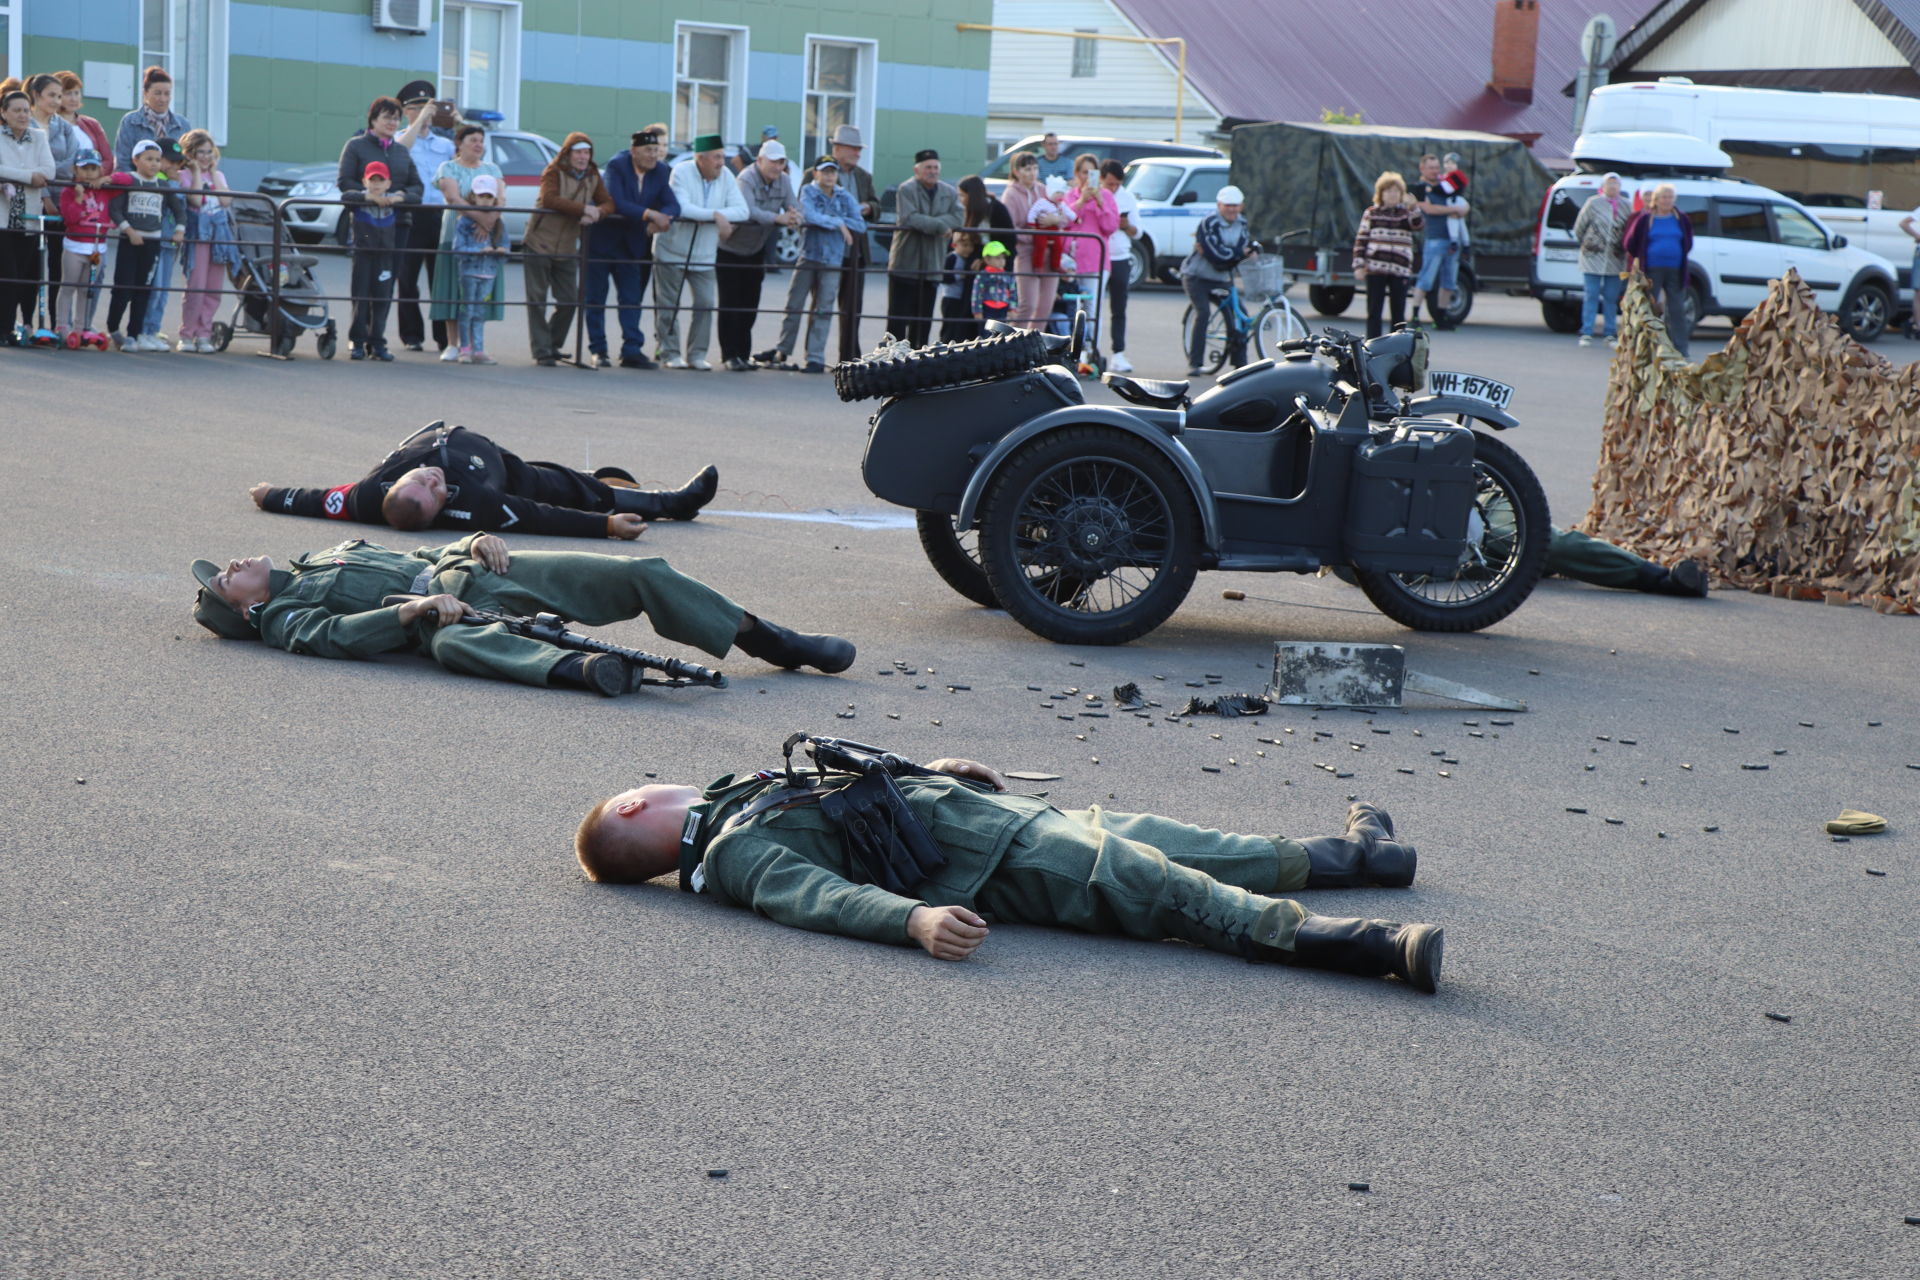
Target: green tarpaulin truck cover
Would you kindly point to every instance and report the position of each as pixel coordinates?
(1320, 177)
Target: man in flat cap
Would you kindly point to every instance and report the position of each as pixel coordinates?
(620, 248)
(927, 212)
(848, 147)
(710, 205)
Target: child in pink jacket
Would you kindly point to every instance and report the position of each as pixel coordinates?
(83, 216)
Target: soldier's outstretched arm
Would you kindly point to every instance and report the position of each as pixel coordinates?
(331, 503)
(751, 870)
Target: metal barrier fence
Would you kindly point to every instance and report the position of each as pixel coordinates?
(275, 294)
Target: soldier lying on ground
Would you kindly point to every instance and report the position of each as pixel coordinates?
(453, 478)
(1572, 554)
(1016, 858)
(328, 604)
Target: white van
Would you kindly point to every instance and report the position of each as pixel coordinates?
(1852, 158)
(1175, 193)
(1744, 237)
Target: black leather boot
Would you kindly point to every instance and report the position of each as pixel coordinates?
(1367, 855)
(683, 503)
(783, 648)
(1687, 579)
(606, 674)
(1372, 948)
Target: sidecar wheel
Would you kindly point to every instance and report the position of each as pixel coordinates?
(955, 556)
(1089, 536)
(1504, 561)
(944, 364)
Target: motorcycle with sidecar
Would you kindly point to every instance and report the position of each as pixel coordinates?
(1087, 522)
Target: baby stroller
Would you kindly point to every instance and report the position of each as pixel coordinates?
(301, 307)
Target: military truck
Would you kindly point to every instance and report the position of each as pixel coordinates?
(1307, 184)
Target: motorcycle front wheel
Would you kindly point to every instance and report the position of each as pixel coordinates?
(1507, 538)
(1089, 536)
(954, 554)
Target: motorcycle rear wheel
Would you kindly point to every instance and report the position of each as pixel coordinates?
(955, 556)
(1506, 553)
(1089, 536)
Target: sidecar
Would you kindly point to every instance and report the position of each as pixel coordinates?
(1087, 522)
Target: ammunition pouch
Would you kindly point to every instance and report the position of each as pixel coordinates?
(885, 840)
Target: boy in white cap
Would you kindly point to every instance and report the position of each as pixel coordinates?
(479, 244)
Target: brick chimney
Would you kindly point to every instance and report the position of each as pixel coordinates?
(1516, 35)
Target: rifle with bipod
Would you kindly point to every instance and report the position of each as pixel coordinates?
(553, 629)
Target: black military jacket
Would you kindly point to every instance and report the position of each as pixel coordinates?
(482, 479)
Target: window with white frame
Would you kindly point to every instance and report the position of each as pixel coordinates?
(480, 57)
(709, 82)
(10, 39)
(1086, 56)
(189, 39)
(840, 80)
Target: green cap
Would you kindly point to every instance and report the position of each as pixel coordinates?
(708, 142)
(212, 611)
(992, 249)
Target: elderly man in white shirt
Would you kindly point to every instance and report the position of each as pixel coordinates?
(710, 204)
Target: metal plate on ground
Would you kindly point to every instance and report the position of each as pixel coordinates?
(1338, 675)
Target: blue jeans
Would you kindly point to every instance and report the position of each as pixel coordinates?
(1439, 265)
(476, 294)
(1602, 292)
(630, 283)
(157, 300)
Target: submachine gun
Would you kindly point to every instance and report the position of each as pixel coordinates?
(552, 628)
(885, 841)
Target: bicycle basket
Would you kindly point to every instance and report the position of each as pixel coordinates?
(1263, 276)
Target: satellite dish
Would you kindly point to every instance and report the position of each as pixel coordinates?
(1598, 39)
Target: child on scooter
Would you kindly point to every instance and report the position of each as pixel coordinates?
(83, 213)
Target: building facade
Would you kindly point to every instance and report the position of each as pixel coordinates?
(287, 81)
(1074, 85)
(1859, 46)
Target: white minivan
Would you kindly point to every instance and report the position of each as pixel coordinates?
(1745, 236)
(1175, 193)
(1851, 158)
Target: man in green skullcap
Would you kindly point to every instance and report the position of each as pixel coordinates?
(328, 604)
(710, 203)
(752, 840)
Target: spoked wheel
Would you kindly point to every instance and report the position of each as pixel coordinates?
(954, 554)
(1507, 538)
(1216, 352)
(1090, 537)
(1278, 322)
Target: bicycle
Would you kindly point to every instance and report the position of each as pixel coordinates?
(1261, 276)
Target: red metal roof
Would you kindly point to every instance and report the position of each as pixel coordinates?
(1417, 63)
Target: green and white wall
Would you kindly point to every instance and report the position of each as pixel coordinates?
(287, 82)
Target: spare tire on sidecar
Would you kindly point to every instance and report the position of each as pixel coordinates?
(944, 364)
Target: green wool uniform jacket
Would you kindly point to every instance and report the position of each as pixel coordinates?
(332, 607)
(789, 864)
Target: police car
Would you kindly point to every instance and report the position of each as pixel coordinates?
(1745, 236)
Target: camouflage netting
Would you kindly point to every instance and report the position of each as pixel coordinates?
(1786, 463)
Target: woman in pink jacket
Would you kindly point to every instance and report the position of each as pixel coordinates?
(1094, 210)
(1036, 289)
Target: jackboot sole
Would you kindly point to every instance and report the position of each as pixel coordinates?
(1422, 946)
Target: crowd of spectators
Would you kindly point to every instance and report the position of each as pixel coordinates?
(152, 218)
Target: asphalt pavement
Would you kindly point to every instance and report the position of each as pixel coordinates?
(302, 979)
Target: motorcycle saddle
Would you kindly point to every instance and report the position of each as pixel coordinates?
(1147, 391)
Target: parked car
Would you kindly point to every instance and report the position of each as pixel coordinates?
(995, 175)
(521, 157)
(1744, 237)
(1175, 193)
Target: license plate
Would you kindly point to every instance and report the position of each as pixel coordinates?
(1471, 385)
(1561, 255)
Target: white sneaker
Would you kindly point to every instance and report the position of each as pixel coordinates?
(154, 342)
(187, 346)
(450, 355)
(207, 348)
(1120, 363)
(1586, 339)
(165, 340)
(700, 363)
(678, 362)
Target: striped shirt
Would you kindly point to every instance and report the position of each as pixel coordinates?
(1384, 242)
